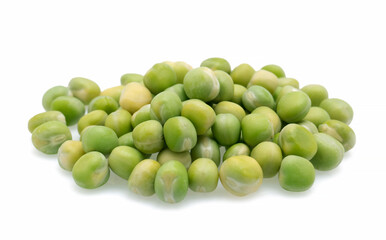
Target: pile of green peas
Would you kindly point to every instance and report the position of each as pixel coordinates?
(183, 116)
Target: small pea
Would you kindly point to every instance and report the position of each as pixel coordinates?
(316, 92)
(84, 89)
(180, 134)
(123, 159)
(164, 106)
(99, 138)
(293, 106)
(72, 108)
(44, 117)
(329, 154)
(141, 180)
(206, 148)
(256, 128)
(105, 103)
(275, 69)
(131, 77)
(257, 96)
(97, 117)
(236, 150)
(340, 131)
(217, 64)
(49, 136)
(51, 94)
(338, 109)
(242, 74)
(159, 77)
(297, 140)
(203, 175)
(69, 152)
(269, 157)
(167, 155)
(134, 96)
(148, 137)
(199, 113)
(232, 125)
(119, 121)
(266, 79)
(201, 83)
(296, 174)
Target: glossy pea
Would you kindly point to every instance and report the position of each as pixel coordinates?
(51, 94)
(217, 63)
(236, 150)
(201, 83)
(256, 128)
(142, 178)
(119, 121)
(296, 174)
(164, 106)
(206, 148)
(97, 117)
(297, 140)
(269, 157)
(72, 108)
(242, 74)
(338, 109)
(99, 138)
(275, 69)
(226, 86)
(148, 137)
(84, 89)
(293, 106)
(199, 113)
(159, 77)
(44, 117)
(232, 125)
(134, 96)
(266, 79)
(203, 175)
(69, 152)
(49, 136)
(180, 134)
(167, 155)
(329, 154)
(257, 96)
(123, 159)
(340, 131)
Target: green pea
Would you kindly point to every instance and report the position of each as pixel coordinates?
(181, 69)
(296, 174)
(105, 103)
(310, 126)
(51, 94)
(283, 91)
(256, 128)
(141, 180)
(201, 83)
(229, 122)
(338, 109)
(283, 81)
(199, 113)
(167, 155)
(241, 175)
(142, 115)
(180, 134)
(44, 117)
(114, 92)
(242, 74)
(84, 89)
(123, 159)
(72, 108)
(268, 155)
(171, 182)
(179, 90)
(131, 77)
(238, 93)
(230, 107)
(203, 175)
(272, 117)
(69, 152)
(330, 152)
(164, 106)
(159, 77)
(217, 64)
(99, 138)
(48, 137)
(276, 138)
(257, 96)
(91, 170)
(119, 121)
(126, 140)
(236, 150)
(297, 140)
(340, 131)
(148, 137)
(316, 92)
(134, 96)
(293, 106)
(275, 69)
(317, 116)
(97, 117)
(265, 79)
(226, 86)
(206, 148)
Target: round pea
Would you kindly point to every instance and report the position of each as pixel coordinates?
(44, 117)
(340, 131)
(236, 150)
(256, 128)
(148, 137)
(296, 174)
(123, 159)
(181, 69)
(179, 90)
(105, 103)
(241, 175)
(316, 92)
(159, 77)
(199, 113)
(238, 93)
(265, 79)
(242, 74)
(84, 89)
(293, 106)
(226, 129)
(114, 92)
(99, 138)
(201, 83)
(180, 134)
(329, 154)
(206, 148)
(338, 109)
(283, 81)
(297, 140)
(69, 152)
(272, 117)
(167, 155)
(203, 175)
(51, 94)
(268, 155)
(310, 126)
(48, 137)
(230, 107)
(72, 108)
(275, 69)
(142, 115)
(141, 180)
(217, 64)
(317, 116)
(134, 96)
(119, 121)
(164, 106)
(126, 140)
(97, 117)
(131, 77)
(257, 96)
(226, 86)
(283, 91)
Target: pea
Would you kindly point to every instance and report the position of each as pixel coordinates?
(69, 152)
(242, 74)
(167, 155)
(119, 121)
(338, 109)
(159, 77)
(148, 137)
(141, 180)
(293, 106)
(44, 117)
(272, 117)
(297, 140)
(123, 159)
(233, 129)
(72, 108)
(51, 94)
(296, 174)
(309, 126)
(48, 137)
(317, 116)
(275, 69)
(226, 86)
(201, 83)
(164, 106)
(180, 134)
(99, 138)
(269, 157)
(84, 89)
(236, 150)
(203, 175)
(283, 81)
(266, 79)
(134, 96)
(316, 92)
(217, 64)
(97, 117)
(257, 96)
(105, 103)
(114, 92)
(230, 107)
(199, 113)
(329, 154)
(256, 128)
(142, 115)
(238, 92)
(131, 77)
(126, 140)
(181, 69)
(206, 148)
(179, 90)
(340, 131)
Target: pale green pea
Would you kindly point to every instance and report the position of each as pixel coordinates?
(201, 83)
(131, 77)
(242, 74)
(316, 92)
(226, 129)
(238, 93)
(180, 134)
(119, 121)
(179, 90)
(159, 77)
(44, 117)
(97, 117)
(266, 79)
(283, 81)
(329, 154)
(236, 150)
(114, 92)
(272, 117)
(199, 113)
(275, 69)
(164, 106)
(269, 156)
(340, 131)
(293, 106)
(105, 103)
(310, 126)
(230, 107)
(317, 116)
(296, 174)
(141, 180)
(69, 152)
(217, 64)
(181, 69)
(297, 140)
(226, 86)
(338, 109)
(51, 94)
(206, 148)
(48, 137)
(203, 175)
(148, 137)
(126, 140)
(283, 91)
(84, 89)
(134, 96)
(72, 108)
(142, 115)
(99, 138)
(256, 128)
(257, 96)
(123, 159)
(167, 155)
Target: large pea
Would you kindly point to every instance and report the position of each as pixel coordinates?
(226, 129)
(266, 79)
(206, 148)
(269, 156)
(72, 108)
(48, 137)
(142, 115)
(236, 150)
(114, 92)
(340, 131)
(316, 92)
(148, 137)
(217, 64)
(297, 140)
(201, 83)
(97, 117)
(159, 77)
(257, 96)
(293, 106)
(230, 107)
(203, 175)
(242, 74)
(165, 105)
(99, 138)
(226, 86)
(44, 117)
(171, 182)
(179, 90)
(84, 89)
(283, 81)
(131, 77)
(105, 103)
(167, 155)
(91, 170)
(69, 152)
(134, 96)
(123, 159)
(275, 69)
(241, 175)
(256, 128)
(51, 94)
(141, 180)
(119, 121)
(238, 93)
(338, 109)
(180, 134)
(317, 116)
(272, 117)
(296, 174)
(181, 69)
(199, 113)
(329, 154)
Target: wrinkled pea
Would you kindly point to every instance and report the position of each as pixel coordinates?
(119, 121)
(296, 174)
(51, 94)
(206, 148)
(338, 109)
(272, 117)
(84, 89)
(180, 134)
(257, 96)
(167, 155)
(283, 81)
(269, 157)
(256, 128)
(199, 113)
(123, 159)
(340, 131)
(238, 93)
(179, 90)
(99, 138)
(105, 103)
(317, 116)
(72, 108)
(44, 117)
(159, 77)
(293, 106)
(48, 137)
(164, 106)
(226, 86)
(114, 92)
(329, 154)
(201, 83)
(266, 79)
(236, 150)
(203, 175)
(275, 69)
(297, 140)
(242, 74)
(134, 96)
(97, 117)
(69, 152)
(131, 77)
(148, 137)
(141, 180)
(230, 107)
(217, 64)
(142, 115)
(316, 92)
(233, 129)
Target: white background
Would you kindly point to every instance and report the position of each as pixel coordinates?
(339, 44)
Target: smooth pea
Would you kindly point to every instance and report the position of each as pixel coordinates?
(230, 107)
(131, 77)
(269, 157)
(72, 108)
(316, 92)
(272, 117)
(199, 113)
(48, 137)
(148, 137)
(283, 81)
(293, 106)
(84, 89)
(201, 83)
(159, 77)
(329, 154)
(69, 152)
(226, 86)
(167, 155)
(114, 92)
(181, 69)
(141, 180)
(51, 94)
(340, 131)
(119, 121)
(297, 140)
(241, 175)
(257, 96)
(134, 96)
(283, 91)
(180, 134)
(338, 109)
(91, 170)
(97, 117)
(126, 140)
(142, 115)
(179, 90)
(171, 182)
(99, 138)
(238, 93)
(217, 64)
(310, 126)
(164, 106)
(242, 74)
(256, 128)
(123, 159)
(206, 148)
(266, 79)
(296, 174)
(317, 116)
(203, 175)
(236, 150)
(275, 69)
(226, 129)
(44, 117)
(105, 103)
